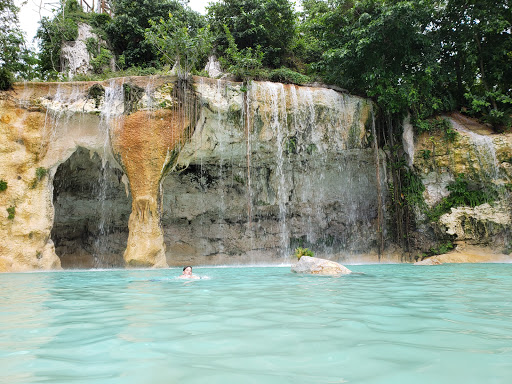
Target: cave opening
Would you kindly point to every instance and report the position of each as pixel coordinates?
(90, 228)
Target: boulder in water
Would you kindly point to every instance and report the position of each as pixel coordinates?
(317, 266)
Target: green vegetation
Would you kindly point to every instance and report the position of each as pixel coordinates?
(6, 79)
(16, 60)
(40, 174)
(288, 76)
(3, 185)
(126, 32)
(263, 26)
(179, 44)
(245, 63)
(441, 248)
(54, 31)
(11, 212)
(463, 193)
(299, 252)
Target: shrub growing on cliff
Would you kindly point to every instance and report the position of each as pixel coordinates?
(3, 185)
(126, 32)
(288, 76)
(299, 252)
(244, 63)
(11, 212)
(267, 24)
(40, 174)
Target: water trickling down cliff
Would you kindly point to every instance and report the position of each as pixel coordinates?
(243, 178)
(147, 171)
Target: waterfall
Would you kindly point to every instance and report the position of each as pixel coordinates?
(484, 150)
(221, 185)
(270, 167)
(277, 102)
(111, 108)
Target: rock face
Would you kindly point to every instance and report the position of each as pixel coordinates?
(479, 224)
(484, 158)
(127, 172)
(75, 59)
(240, 176)
(213, 67)
(316, 266)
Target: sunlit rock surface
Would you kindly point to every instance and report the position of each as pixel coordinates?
(317, 266)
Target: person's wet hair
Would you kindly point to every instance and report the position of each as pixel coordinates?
(188, 266)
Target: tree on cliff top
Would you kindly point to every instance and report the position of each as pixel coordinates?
(11, 42)
(422, 56)
(180, 45)
(267, 23)
(132, 18)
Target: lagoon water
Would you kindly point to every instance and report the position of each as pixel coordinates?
(390, 324)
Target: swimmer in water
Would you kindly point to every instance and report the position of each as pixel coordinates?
(187, 273)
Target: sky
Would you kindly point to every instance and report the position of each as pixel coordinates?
(31, 12)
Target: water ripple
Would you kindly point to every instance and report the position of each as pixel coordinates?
(392, 324)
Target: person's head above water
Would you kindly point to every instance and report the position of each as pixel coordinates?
(187, 270)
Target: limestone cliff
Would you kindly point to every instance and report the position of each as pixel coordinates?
(125, 172)
(484, 159)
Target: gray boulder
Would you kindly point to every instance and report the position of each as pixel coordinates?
(317, 266)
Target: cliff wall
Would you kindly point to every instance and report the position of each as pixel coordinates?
(128, 172)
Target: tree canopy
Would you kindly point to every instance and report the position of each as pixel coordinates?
(267, 23)
(132, 18)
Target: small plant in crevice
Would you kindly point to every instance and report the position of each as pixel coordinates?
(40, 174)
(239, 179)
(291, 145)
(450, 135)
(426, 154)
(3, 185)
(11, 212)
(311, 148)
(299, 252)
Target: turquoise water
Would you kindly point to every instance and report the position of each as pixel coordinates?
(392, 324)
